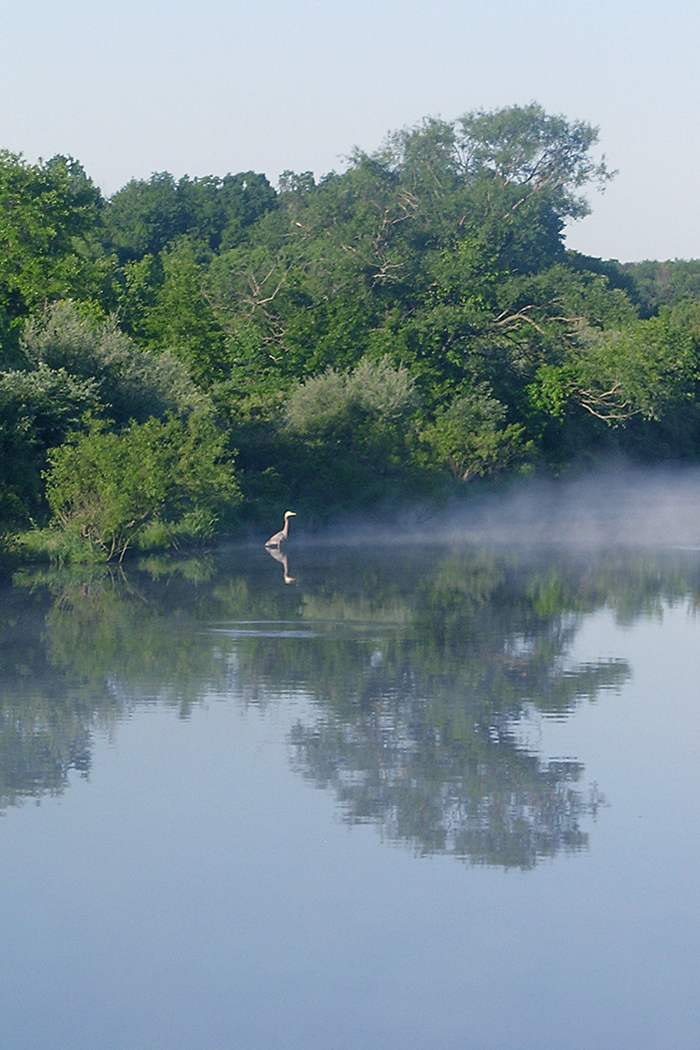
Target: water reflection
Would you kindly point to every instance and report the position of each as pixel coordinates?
(281, 557)
(418, 666)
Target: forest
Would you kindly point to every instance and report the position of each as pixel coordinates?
(188, 358)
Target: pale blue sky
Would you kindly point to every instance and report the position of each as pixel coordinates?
(208, 87)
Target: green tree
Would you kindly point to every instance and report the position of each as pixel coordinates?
(423, 249)
(44, 210)
(659, 284)
(146, 216)
(351, 436)
(181, 319)
(644, 369)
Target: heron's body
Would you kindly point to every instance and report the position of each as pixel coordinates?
(280, 537)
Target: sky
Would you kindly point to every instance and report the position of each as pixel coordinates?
(209, 87)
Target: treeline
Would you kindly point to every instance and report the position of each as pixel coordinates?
(189, 355)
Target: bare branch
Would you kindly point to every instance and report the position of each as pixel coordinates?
(520, 315)
(606, 405)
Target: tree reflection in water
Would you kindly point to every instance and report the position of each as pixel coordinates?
(422, 742)
(419, 664)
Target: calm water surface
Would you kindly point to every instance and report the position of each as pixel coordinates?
(397, 798)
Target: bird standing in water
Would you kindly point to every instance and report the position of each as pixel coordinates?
(280, 537)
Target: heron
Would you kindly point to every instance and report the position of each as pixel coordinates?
(280, 537)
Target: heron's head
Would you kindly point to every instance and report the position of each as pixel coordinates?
(290, 514)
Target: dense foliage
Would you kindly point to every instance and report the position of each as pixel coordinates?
(387, 333)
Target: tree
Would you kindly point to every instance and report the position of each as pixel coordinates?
(352, 435)
(424, 248)
(145, 217)
(535, 151)
(644, 368)
(44, 210)
(659, 284)
(181, 319)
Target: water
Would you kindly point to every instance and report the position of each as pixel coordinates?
(417, 797)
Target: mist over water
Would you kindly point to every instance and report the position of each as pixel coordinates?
(617, 506)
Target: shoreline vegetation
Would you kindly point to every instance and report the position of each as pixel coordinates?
(187, 359)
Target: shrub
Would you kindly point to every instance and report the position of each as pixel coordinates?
(372, 389)
(469, 436)
(351, 436)
(37, 409)
(154, 484)
(130, 383)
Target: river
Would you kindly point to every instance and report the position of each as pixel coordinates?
(368, 797)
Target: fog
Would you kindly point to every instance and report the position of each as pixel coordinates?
(622, 505)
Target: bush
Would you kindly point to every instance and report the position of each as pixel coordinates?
(469, 436)
(130, 383)
(351, 437)
(374, 389)
(154, 484)
(37, 409)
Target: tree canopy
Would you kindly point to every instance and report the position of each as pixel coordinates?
(431, 275)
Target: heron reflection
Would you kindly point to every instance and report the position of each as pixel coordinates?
(281, 557)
